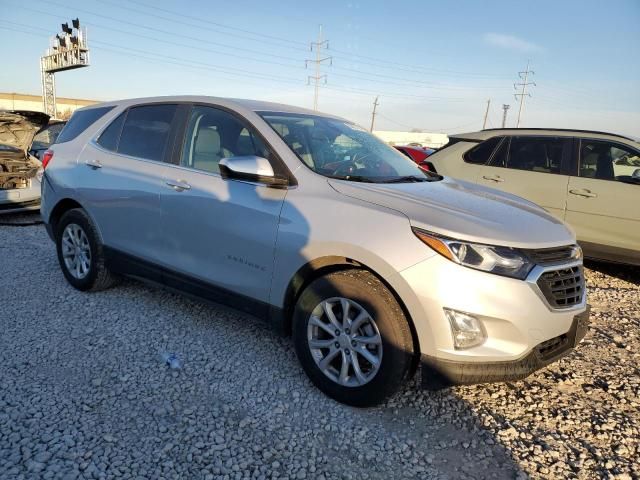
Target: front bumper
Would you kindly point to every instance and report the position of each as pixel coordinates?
(439, 373)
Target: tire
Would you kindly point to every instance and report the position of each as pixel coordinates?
(97, 276)
(362, 290)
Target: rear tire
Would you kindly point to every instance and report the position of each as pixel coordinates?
(378, 354)
(81, 253)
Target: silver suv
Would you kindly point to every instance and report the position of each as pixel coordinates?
(312, 223)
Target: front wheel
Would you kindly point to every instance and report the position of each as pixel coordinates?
(352, 338)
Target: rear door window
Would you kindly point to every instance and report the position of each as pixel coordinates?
(145, 132)
(80, 121)
(481, 153)
(537, 154)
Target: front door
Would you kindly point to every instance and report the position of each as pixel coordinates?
(532, 167)
(220, 232)
(603, 204)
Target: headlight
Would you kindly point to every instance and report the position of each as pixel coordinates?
(505, 261)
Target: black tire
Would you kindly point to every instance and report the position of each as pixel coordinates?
(98, 277)
(368, 291)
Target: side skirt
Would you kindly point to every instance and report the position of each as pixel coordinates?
(144, 270)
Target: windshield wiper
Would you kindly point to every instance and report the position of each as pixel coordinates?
(406, 179)
(353, 178)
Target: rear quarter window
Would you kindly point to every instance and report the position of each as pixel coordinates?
(80, 121)
(480, 154)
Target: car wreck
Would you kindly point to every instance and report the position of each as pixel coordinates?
(20, 172)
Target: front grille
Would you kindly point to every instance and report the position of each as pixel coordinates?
(563, 288)
(551, 256)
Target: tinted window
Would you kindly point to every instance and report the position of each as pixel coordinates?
(47, 136)
(214, 134)
(481, 153)
(608, 161)
(79, 122)
(146, 131)
(537, 154)
(500, 156)
(110, 136)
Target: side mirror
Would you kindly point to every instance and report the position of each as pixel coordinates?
(251, 168)
(636, 173)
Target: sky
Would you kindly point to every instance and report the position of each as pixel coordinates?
(433, 64)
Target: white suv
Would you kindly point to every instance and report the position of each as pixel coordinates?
(591, 180)
(311, 222)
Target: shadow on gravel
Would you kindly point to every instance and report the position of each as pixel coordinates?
(628, 273)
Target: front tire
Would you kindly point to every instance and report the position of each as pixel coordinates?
(352, 338)
(80, 252)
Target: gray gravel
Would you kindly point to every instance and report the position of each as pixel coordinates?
(84, 393)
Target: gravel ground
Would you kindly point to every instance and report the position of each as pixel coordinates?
(85, 394)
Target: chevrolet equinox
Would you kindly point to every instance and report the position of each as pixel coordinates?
(374, 265)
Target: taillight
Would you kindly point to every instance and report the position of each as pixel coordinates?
(46, 158)
(425, 166)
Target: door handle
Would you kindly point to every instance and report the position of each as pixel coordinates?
(495, 178)
(178, 185)
(93, 164)
(583, 193)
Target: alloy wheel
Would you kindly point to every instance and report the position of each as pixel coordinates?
(76, 251)
(344, 341)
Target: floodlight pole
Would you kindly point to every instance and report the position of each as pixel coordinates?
(66, 51)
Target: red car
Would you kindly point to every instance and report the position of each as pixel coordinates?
(418, 155)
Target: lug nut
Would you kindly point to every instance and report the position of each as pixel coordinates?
(347, 351)
(337, 333)
(337, 345)
(353, 343)
(347, 331)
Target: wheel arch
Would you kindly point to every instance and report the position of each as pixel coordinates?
(328, 264)
(64, 206)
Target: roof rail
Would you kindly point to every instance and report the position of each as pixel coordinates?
(562, 130)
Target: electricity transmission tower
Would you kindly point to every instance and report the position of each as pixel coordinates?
(318, 47)
(504, 114)
(373, 113)
(523, 92)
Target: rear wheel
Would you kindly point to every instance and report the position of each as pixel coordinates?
(352, 338)
(80, 252)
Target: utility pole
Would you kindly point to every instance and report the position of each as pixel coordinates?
(373, 114)
(317, 47)
(504, 114)
(486, 114)
(524, 84)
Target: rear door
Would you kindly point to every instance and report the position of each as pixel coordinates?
(533, 167)
(604, 200)
(220, 232)
(123, 179)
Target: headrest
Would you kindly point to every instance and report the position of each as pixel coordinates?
(207, 141)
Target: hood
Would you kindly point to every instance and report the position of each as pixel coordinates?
(17, 128)
(466, 211)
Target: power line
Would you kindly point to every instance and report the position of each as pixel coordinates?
(524, 84)
(317, 47)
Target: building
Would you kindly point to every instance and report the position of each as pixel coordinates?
(424, 139)
(22, 101)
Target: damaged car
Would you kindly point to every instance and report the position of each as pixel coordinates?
(20, 171)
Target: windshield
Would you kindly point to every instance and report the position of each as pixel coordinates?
(338, 149)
